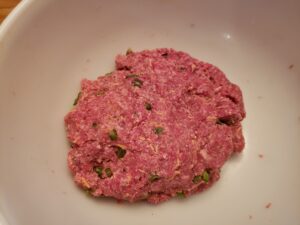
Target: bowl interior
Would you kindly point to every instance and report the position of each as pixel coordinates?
(50, 45)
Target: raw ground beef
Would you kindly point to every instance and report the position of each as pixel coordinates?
(161, 125)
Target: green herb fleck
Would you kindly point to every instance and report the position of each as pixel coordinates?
(180, 194)
(129, 51)
(225, 121)
(99, 171)
(197, 179)
(205, 176)
(154, 177)
(88, 191)
(132, 76)
(148, 106)
(94, 125)
(158, 130)
(77, 99)
(108, 74)
(108, 172)
(219, 122)
(113, 135)
(120, 152)
(72, 145)
(137, 83)
(101, 92)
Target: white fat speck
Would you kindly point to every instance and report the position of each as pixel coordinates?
(142, 171)
(218, 88)
(125, 180)
(204, 154)
(142, 138)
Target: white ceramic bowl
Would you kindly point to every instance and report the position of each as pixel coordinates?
(47, 47)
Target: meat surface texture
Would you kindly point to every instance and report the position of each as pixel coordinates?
(161, 125)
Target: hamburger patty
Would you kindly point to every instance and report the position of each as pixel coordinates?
(161, 125)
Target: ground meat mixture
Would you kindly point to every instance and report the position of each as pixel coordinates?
(161, 125)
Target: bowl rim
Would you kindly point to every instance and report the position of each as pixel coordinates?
(7, 24)
(13, 17)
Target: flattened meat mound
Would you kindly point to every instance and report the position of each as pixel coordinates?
(161, 125)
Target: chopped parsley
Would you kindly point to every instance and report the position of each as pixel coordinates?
(108, 172)
(205, 176)
(88, 191)
(197, 179)
(108, 74)
(154, 177)
(101, 92)
(99, 171)
(120, 152)
(113, 135)
(158, 130)
(77, 98)
(137, 83)
(225, 121)
(129, 51)
(148, 106)
(180, 194)
(132, 76)
(72, 145)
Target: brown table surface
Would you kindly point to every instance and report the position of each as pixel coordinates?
(6, 6)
